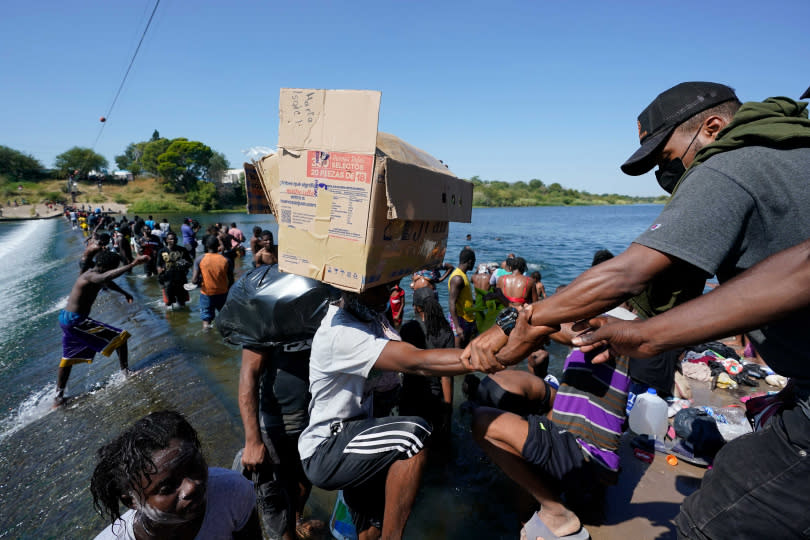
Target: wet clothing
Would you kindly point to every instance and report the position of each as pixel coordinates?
(283, 402)
(464, 302)
(518, 299)
(215, 271)
(229, 504)
(175, 263)
(745, 199)
(210, 304)
(490, 394)
(82, 338)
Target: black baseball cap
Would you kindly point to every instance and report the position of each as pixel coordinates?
(666, 112)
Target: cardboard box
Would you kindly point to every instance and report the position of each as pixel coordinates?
(355, 208)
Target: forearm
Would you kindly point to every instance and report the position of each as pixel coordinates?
(249, 404)
(769, 291)
(447, 389)
(602, 287)
(437, 362)
(113, 286)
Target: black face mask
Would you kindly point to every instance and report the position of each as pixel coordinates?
(669, 174)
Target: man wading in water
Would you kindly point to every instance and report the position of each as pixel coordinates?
(82, 337)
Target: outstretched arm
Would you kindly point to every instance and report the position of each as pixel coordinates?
(405, 358)
(768, 291)
(113, 286)
(115, 272)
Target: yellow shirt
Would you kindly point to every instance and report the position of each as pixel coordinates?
(464, 302)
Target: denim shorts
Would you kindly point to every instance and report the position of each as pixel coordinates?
(209, 305)
(757, 487)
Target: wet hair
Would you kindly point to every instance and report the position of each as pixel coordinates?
(511, 263)
(107, 260)
(124, 462)
(601, 256)
(435, 321)
(211, 243)
(727, 110)
(520, 264)
(466, 255)
(267, 233)
(536, 276)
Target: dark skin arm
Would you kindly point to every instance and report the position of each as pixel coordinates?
(767, 292)
(255, 452)
(456, 286)
(405, 358)
(448, 269)
(597, 290)
(113, 286)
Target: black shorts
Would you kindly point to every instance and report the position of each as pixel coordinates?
(555, 454)
(356, 459)
(491, 394)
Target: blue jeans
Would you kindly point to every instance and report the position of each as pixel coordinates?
(209, 305)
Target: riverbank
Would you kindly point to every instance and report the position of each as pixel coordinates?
(43, 211)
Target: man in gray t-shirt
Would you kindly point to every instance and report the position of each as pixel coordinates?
(739, 176)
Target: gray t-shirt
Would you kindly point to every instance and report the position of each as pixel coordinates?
(733, 211)
(341, 381)
(230, 502)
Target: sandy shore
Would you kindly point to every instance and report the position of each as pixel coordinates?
(41, 211)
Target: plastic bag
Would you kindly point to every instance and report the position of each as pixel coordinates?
(266, 308)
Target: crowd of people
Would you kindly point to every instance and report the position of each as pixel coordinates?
(336, 390)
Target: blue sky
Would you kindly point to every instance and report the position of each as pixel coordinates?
(503, 90)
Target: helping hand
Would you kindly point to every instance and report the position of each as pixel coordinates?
(525, 338)
(616, 336)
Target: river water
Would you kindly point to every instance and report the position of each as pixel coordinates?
(47, 456)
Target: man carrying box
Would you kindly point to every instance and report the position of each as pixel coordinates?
(377, 462)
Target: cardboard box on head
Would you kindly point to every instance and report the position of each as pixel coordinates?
(355, 208)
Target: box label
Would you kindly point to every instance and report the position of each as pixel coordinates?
(340, 166)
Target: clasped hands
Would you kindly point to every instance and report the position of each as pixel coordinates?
(493, 350)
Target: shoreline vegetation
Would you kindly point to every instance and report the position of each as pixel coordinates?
(497, 193)
(145, 195)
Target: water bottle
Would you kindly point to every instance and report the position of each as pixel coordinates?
(649, 415)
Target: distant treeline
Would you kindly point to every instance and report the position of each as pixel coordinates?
(537, 193)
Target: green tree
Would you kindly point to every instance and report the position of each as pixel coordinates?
(155, 136)
(151, 151)
(18, 166)
(130, 160)
(204, 195)
(80, 159)
(184, 163)
(217, 166)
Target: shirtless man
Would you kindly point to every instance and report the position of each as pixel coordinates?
(480, 279)
(82, 337)
(266, 253)
(516, 287)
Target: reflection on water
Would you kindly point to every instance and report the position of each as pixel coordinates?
(46, 457)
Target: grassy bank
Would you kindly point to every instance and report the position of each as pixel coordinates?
(142, 195)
